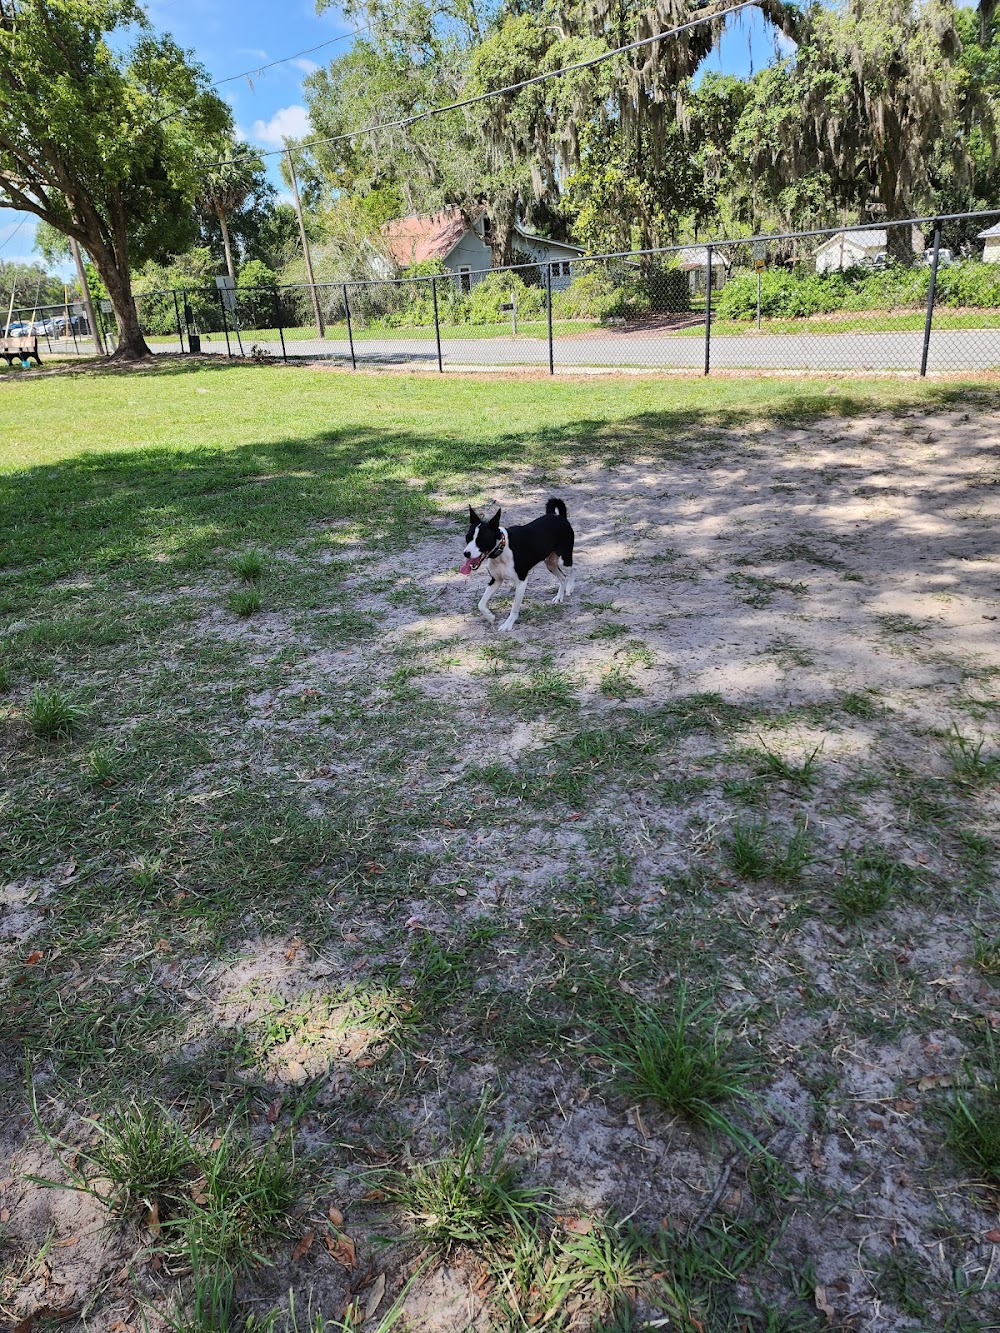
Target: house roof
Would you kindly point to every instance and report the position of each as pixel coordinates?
(990, 231)
(527, 235)
(434, 235)
(875, 239)
(696, 256)
(424, 236)
(870, 238)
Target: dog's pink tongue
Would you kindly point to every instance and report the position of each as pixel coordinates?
(466, 568)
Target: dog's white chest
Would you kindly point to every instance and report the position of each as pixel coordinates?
(502, 568)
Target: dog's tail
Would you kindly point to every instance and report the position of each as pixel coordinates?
(555, 506)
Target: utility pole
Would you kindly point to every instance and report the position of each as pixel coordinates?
(305, 246)
(88, 305)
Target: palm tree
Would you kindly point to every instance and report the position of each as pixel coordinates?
(228, 182)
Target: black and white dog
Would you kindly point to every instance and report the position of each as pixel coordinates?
(512, 553)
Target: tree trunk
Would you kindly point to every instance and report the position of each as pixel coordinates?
(899, 245)
(225, 241)
(131, 342)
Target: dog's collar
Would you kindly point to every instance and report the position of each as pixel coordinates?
(499, 547)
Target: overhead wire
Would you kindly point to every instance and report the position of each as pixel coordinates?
(7, 240)
(405, 121)
(260, 69)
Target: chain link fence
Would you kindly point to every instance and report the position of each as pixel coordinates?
(905, 297)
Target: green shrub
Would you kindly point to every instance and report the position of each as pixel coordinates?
(495, 290)
(786, 295)
(256, 276)
(591, 295)
(969, 284)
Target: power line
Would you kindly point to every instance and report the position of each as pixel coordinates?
(496, 92)
(260, 69)
(232, 78)
(15, 231)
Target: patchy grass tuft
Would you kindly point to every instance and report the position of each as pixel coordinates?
(469, 1196)
(250, 566)
(871, 880)
(968, 763)
(757, 851)
(247, 602)
(680, 1060)
(52, 716)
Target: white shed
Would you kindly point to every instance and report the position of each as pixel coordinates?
(847, 249)
(991, 244)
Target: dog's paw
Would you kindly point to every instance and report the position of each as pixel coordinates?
(507, 625)
(557, 599)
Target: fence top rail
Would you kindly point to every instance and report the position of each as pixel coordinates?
(763, 237)
(341, 284)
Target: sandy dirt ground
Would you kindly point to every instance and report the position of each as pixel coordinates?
(831, 590)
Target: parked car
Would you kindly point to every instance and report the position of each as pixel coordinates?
(944, 257)
(78, 323)
(43, 327)
(18, 329)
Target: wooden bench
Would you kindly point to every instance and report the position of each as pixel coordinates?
(23, 349)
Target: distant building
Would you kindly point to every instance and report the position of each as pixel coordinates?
(463, 249)
(849, 248)
(693, 260)
(991, 244)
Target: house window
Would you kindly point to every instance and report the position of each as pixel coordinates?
(465, 278)
(559, 269)
(487, 230)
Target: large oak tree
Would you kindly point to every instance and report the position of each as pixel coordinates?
(100, 144)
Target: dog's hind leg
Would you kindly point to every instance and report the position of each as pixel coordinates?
(559, 578)
(569, 574)
(511, 620)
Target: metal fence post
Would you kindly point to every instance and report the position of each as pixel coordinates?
(350, 331)
(929, 319)
(277, 320)
(437, 323)
(177, 317)
(708, 310)
(548, 303)
(225, 325)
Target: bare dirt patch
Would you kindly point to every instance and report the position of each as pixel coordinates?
(776, 637)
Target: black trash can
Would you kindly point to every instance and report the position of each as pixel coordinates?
(194, 342)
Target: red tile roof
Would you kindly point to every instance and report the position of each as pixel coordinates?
(409, 240)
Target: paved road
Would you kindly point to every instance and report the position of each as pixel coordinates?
(951, 349)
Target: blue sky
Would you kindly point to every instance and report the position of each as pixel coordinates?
(230, 36)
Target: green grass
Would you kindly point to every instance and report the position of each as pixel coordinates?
(968, 762)
(871, 879)
(467, 1196)
(679, 1059)
(250, 566)
(973, 1122)
(247, 602)
(301, 882)
(757, 851)
(52, 716)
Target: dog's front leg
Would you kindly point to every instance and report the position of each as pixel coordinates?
(492, 588)
(511, 620)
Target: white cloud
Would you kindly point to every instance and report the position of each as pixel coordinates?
(290, 122)
(306, 66)
(254, 51)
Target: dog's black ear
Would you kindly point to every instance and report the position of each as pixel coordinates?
(495, 520)
(474, 517)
